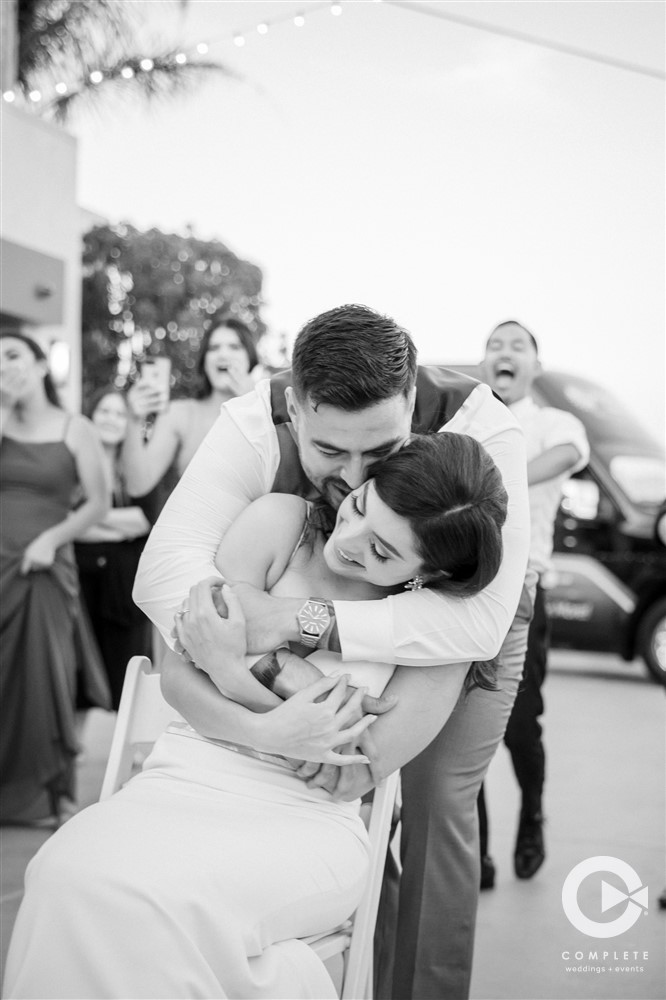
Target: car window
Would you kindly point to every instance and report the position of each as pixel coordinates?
(643, 479)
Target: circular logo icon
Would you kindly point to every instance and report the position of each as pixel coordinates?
(636, 897)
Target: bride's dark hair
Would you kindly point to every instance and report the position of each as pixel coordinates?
(451, 492)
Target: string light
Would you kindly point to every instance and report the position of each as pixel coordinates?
(147, 65)
(335, 8)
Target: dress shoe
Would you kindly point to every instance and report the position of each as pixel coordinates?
(487, 872)
(529, 853)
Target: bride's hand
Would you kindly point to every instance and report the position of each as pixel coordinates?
(307, 728)
(216, 645)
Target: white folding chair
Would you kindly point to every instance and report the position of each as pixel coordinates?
(354, 941)
(144, 714)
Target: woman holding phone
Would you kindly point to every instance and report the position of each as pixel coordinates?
(226, 358)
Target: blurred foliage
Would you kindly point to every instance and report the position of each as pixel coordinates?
(68, 40)
(154, 293)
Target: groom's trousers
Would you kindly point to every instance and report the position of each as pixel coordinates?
(425, 929)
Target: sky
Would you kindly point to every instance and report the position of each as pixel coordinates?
(448, 176)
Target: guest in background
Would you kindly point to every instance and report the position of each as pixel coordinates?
(48, 459)
(226, 359)
(556, 448)
(108, 552)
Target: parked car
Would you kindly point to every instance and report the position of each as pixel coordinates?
(609, 584)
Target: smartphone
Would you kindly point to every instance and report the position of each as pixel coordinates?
(157, 373)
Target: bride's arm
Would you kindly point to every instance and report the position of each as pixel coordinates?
(307, 726)
(252, 551)
(426, 698)
(219, 696)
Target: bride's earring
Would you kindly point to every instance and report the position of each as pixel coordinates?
(415, 584)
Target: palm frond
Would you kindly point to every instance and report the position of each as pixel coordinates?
(61, 39)
(166, 79)
(56, 33)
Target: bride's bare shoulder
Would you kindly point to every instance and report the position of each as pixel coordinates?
(285, 507)
(262, 538)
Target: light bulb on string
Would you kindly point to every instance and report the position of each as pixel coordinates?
(181, 58)
(202, 48)
(262, 28)
(35, 96)
(9, 96)
(239, 40)
(61, 88)
(127, 72)
(146, 65)
(336, 9)
(96, 76)
(299, 20)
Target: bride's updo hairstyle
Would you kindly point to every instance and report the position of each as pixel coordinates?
(451, 492)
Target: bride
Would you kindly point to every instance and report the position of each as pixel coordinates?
(199, 877)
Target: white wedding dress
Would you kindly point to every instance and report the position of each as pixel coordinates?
(194, 881)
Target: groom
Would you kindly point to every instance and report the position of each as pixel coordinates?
(353, 396)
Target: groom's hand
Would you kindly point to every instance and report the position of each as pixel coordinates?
(270, 621)
(351, 781)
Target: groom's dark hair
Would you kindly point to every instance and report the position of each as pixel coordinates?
(352, 357)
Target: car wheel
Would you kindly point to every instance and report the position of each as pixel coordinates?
(652, 640)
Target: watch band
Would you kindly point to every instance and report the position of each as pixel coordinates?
(309, 640)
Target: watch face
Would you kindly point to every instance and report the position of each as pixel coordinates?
(314, 618)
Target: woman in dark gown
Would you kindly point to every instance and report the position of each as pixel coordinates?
(48, 459)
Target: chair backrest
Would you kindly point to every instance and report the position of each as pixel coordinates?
(143, 714)
(357, 982)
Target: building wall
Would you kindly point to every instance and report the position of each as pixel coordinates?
(8, 43)
(40, 217)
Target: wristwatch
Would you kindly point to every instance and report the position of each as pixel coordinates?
(314, 621)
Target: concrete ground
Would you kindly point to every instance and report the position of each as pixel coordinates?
(606, 769)
(604, 728)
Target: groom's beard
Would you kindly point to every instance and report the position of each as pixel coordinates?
(334, 491)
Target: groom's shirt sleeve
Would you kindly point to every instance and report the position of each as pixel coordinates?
(426, 626)
(235, 464)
